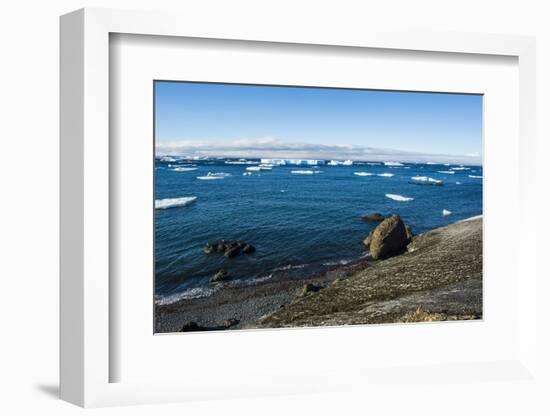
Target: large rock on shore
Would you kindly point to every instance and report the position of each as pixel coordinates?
(390, 237)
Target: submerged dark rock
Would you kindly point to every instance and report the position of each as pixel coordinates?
(233, 251)
(220, 276)
(388, 238)
(374, 217)
(231, 248)
(249, 249)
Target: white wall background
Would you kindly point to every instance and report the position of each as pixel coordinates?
(29, 184)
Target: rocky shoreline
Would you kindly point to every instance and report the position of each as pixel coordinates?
(433, 276)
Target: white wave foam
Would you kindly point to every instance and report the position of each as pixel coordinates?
(475, 176)
(289, 267)
(460, 168)
(174, 202)
(337, 263)
(385, 175)
(363, 173)
(446, 212)
(399, 198)
(194, 293)
(425, 179)
(254, 168)
(446, 172)
(180, 169)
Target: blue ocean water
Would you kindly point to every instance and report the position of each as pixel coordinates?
(299, 223)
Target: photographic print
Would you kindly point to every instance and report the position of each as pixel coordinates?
(289, 206)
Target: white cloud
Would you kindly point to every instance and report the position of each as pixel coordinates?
(270, 147)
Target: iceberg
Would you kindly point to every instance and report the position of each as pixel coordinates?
(393, 164)
(399, 198)
(304, 172)
(446, 212)
(426, 179)
(298, 162)
(363, 173)
(174, 202)
(385, 175)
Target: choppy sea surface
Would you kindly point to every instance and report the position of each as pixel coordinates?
(301, 219)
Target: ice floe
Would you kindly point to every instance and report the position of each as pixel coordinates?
(399, 198)
(174, 202)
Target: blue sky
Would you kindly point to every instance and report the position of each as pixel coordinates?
(255, 121)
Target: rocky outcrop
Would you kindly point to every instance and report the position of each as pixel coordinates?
(390, 237)
(442, 278)
(230, 249)
(374, 217)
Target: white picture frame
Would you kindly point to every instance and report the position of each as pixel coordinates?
(86, 353)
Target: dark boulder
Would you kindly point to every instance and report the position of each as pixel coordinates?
(232, 251)
(308, 289)
(388, 238)
(190, 327)
(228, 323)
(375, 217)
(209, 248)
(220, 276)
(249, 249)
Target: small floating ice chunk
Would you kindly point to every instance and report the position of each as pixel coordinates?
(475, 176)
(385, 175)
(460, 168)
(458, 183)
(446, 172)
(174, 202)
(425, 179)
(363, 173)
(213, 176)
(399, 198)
(393, 164)
(181, 169)
(304, 172)
(254, 168)
(446, 212)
